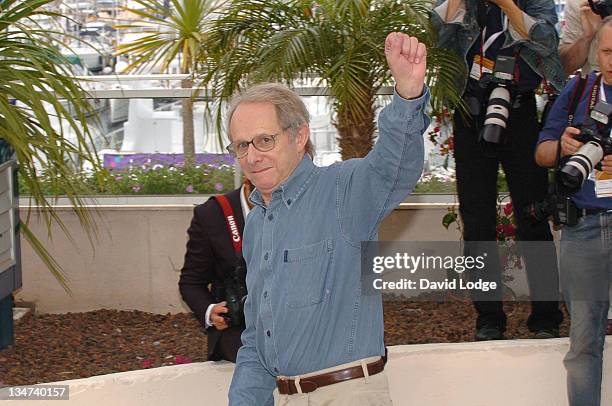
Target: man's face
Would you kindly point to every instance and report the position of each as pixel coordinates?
(604, 53)
(266, 170)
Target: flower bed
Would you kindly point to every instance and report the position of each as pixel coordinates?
(152, 179)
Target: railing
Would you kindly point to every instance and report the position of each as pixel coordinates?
(167, 86)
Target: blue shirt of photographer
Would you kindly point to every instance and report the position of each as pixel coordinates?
(556, 124)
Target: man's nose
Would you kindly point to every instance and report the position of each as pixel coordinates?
(253, 155)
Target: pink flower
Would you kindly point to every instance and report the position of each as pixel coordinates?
(189, 189)
(436, 129)
(508, 209)
(219, 187)
(136, 188)
(147, 363)
(509, 230)
(179, 359)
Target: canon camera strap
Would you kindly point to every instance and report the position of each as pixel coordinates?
(232, 224)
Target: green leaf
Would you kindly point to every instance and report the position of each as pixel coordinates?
(449, 219)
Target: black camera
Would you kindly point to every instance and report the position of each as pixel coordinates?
(234, 292)
(597, 144)
(561, 208)
(602, 8)
(501, 82)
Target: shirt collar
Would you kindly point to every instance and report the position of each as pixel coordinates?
(292, 188)
(243, 203)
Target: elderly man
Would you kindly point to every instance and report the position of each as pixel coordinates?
(312, 333)
(585, 250)
(578, 50)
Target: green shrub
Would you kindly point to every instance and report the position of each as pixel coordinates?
(157, 180)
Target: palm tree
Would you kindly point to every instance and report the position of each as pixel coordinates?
(338, 43)
(34, 79)
(170, 32)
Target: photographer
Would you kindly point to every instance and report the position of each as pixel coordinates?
(524, 34)
(213, 273)
(585, 249)
(577, 48)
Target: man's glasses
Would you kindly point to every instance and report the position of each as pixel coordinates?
(261, 142)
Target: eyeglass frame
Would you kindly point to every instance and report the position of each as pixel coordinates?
(229, 148)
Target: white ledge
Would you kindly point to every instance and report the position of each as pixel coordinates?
(503, 373)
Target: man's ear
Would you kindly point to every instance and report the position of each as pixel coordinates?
(303, 135)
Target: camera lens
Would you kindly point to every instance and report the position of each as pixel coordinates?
(579, 166)
(496, 118)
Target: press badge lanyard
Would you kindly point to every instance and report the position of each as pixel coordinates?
(485, 45)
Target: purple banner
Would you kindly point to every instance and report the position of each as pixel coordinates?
(126, 161)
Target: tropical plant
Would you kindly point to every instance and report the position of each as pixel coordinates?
(336, 43)
(43, 117)
(169, 33)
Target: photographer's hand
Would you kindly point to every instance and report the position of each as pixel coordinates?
(569, 146)
(590, 21)
(216, 318)
(606, 164)
(515, 15)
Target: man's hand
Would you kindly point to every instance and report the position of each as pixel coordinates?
(590, 21)
(407, 59)
(606, 164)
(569, 146)
(216, 317)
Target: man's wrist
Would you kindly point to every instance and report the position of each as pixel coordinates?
(207, 321)
(409, 92)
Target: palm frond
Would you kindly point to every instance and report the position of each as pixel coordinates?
(33, 120)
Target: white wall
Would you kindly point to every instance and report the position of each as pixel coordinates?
(139, 253)
(505, 373)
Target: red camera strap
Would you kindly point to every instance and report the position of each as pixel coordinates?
(230, 220)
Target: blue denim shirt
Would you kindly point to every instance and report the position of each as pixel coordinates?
(306, 309)
(539, 51)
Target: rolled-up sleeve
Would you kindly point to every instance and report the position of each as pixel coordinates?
(540, 18)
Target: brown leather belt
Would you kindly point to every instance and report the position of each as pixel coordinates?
(287, 386)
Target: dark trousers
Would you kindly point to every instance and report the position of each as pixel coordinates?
(477, 190)
(225, 344)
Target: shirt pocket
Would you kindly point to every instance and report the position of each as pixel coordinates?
(306, 269)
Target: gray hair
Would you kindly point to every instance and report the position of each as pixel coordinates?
(291, 111)
(606, 22)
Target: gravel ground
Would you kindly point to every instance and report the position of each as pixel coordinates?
(55, 347)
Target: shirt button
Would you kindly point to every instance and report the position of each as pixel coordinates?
(266, 257)
(271, 217)
(265, 294)
(289, 202)
(268, 333)
(275, 369)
